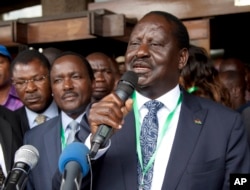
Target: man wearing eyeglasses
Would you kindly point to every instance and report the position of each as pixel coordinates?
(30, 76)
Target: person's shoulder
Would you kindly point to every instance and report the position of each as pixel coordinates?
(7, 113)
(4, 110)
(5, 125)
(42, 128)
(246, 110)
(20, 110)
(209, 104)
(244, 107)
(219, 116)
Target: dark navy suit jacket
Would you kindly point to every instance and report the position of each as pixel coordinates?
(210, 144)
(10, 136)
(24, 122)
(46, 138)
(21, 113)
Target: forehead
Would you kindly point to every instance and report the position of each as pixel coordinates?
(153, 23)
(100, 62)
(232, 65)
(34, 66)
(68, 63)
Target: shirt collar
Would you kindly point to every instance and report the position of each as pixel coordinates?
(169, 99)
(66, 119)
(50, 112)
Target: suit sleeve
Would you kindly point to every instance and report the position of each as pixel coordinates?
(238, 157)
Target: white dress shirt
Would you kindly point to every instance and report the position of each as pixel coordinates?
(169, 100)
(66, 121)
(2, 162)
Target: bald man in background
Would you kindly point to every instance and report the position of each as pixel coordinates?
(51, 53)
(106, 72)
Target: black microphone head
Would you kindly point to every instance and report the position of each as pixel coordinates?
(27, 154)
(124, 90)
(130, 77)
(126, 85)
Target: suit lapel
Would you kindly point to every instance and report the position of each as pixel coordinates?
(190, 124)
(23, 119)
(129, 161)
(52, 143)
(85, 130)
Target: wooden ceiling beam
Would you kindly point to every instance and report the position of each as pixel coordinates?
(66, 27)
(184, 9)
(11, 5)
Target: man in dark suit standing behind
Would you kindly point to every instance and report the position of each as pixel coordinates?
(200, 142)
(71, 81)
(106, 74)
(10, 139)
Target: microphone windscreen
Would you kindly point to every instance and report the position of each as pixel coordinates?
(77, 152)
(130, 77)
(27, 154)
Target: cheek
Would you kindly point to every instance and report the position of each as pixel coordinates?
(45, 88)
(58, 101)
(85, 92)
(56, 91)
(129, 54)
(46, 94)
(109, 79)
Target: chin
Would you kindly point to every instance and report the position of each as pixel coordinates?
(142, 82)
(36, 107)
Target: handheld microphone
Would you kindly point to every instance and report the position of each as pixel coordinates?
(124, 90)
(73, 164)
(26, 158)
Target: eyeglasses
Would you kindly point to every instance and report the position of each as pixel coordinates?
(38, 80)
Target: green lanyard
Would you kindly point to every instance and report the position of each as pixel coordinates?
(162, 133)
(63, 141)
(192, 89)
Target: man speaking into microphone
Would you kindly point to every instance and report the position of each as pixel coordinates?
(170, 139)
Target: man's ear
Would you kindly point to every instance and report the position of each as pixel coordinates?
(183, 57)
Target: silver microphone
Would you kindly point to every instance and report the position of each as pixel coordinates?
(26, 158)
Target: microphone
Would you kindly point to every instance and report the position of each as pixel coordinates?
(124, 90)
(26, 158)
(73, 164)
